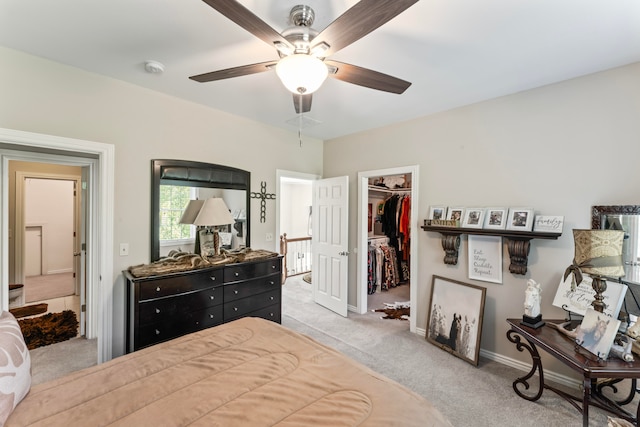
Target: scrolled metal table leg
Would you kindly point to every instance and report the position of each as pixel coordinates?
(515, 338)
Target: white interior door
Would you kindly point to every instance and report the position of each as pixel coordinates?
(33, 251)
(329, 243)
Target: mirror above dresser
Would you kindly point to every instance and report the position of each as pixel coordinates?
(201, 180)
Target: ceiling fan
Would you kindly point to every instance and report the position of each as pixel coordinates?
(303, 66)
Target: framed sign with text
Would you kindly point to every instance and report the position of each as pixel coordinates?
(485, 258)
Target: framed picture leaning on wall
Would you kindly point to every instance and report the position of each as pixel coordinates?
(454, 322)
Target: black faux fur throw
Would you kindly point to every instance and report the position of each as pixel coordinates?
(49, 328)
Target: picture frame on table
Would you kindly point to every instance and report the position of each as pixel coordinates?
(496, 218)
(437, 212)
(520, 219)
(473, 218)
(579, 299)
(597, 333)
(454, 321)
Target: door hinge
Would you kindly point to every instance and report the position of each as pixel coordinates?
(84, 246)
(83, 308)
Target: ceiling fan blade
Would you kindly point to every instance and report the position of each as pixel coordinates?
(302, 103)
(234, 72)
(367, 78)
(358, 21)
(247, 20)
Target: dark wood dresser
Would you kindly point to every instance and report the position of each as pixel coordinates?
(167, 306)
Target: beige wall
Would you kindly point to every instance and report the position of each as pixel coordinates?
(50, 98)
(559, 149)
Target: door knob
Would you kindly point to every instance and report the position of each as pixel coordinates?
(343, 253)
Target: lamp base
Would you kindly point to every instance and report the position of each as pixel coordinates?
(532, 322)
(599, 285)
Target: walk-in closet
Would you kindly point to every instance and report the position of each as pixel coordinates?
(388, 240)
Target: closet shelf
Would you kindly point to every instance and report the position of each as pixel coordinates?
(518, 243)
(389, 190)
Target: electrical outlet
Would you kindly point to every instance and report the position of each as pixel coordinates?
(124, 249)
(269, 237)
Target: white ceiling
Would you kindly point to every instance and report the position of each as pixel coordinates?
(455, 52)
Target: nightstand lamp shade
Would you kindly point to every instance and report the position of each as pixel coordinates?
(598, 253)
(214, 212)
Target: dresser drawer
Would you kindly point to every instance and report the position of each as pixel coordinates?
(161, 309)
(234, 273)
(178, 284)
(248, 288)
(273, 312)
(243, 306)
(180, 325)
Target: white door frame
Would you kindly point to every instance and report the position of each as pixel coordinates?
(99, 159)
(361, 265)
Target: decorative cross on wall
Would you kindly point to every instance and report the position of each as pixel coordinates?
(263, 196)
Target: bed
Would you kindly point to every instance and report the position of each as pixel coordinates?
(250, 372)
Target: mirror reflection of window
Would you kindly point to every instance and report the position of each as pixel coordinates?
(173, 201)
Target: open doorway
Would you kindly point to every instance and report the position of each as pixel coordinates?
(48, 259)
(387, 240)
(97, 162)
(293, 219)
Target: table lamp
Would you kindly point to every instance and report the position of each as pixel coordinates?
(189, 216)
(598, 253)
(214, 212)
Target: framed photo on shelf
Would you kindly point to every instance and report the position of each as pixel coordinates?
(520, 219)
(437, 212)
(485, 258)
(473, 218)
(454, 322)
(496, 218)
(455, 214)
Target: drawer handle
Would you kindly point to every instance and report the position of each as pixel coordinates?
(211, 316)
(271, 298)
(158, 289)
(157, 332)
(157, 311)
(273, 267)
(271, 282)
(235, 292)
(237, 274)
(271, 314)
(235, 308)
(211, 297)
(213, 278)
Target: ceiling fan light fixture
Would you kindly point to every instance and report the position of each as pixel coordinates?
(301, 73)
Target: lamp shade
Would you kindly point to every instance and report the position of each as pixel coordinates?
(599, 252)
(301, 73)
(213, 212)
(191, 211)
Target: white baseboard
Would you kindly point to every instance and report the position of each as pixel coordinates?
(522, 366)
(525, 367)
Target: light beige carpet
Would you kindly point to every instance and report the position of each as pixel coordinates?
(49, 286)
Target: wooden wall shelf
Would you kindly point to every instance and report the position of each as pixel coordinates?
(518, 243)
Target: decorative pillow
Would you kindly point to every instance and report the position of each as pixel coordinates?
(15, 366)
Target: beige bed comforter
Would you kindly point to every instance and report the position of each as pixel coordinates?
(250, 372)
